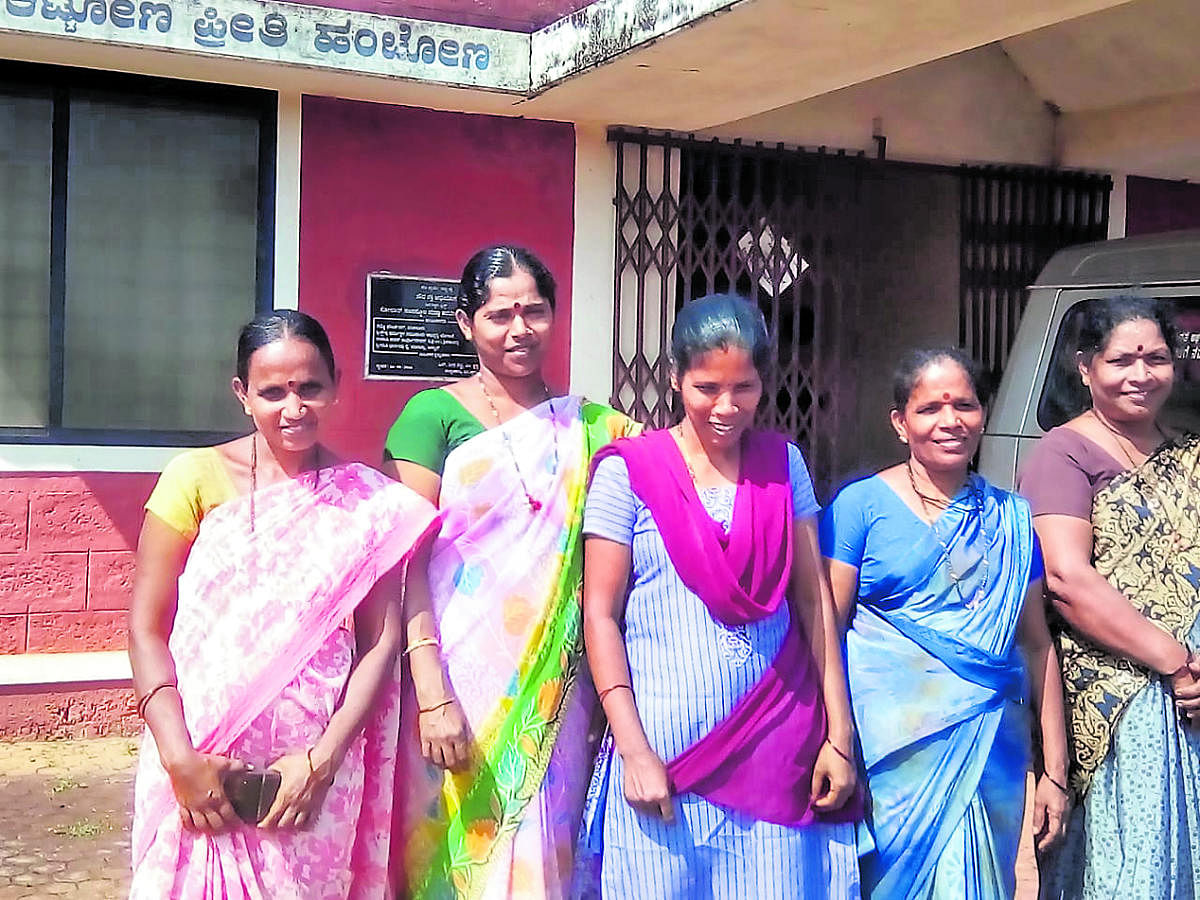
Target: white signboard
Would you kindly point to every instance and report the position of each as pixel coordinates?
(288, 33)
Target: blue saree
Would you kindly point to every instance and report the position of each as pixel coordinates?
(937, 685)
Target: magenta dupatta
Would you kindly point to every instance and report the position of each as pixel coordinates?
(758, 759)
(262, 654)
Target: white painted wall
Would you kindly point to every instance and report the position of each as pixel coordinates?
(592, 266)
(287, 202)
(1159, 138)
(1116, 207)
(971, 107)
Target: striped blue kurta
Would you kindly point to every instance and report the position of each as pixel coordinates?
(688, 672)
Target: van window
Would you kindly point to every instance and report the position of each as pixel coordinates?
(1065, 397)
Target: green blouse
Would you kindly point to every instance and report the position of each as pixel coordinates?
(432, 424)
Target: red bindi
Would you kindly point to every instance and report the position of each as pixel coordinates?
(945, 397)
(1139, 348)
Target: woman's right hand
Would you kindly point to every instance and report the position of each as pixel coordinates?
(445, 736)
(647, 787)
(196, 781)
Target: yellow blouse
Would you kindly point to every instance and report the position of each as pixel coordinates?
(191, 484)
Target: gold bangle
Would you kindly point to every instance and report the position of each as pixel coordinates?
(429, 709)
(149, 695)
(312, 770)
(423, 642)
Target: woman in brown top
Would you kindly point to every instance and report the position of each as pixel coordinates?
(1114, 499)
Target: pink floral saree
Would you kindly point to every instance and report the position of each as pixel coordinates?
(263, 649)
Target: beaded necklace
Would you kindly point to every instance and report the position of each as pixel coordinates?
(534, 503)
(254, 472)
(956, 577)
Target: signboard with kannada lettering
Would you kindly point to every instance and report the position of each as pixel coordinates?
(411, 332)
(288, 33)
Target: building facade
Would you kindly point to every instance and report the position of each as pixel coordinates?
(170, 167)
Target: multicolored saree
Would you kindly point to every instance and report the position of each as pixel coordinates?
(505, 578)
(938, 685)
(262, 653)
(1144, 527)
(1135, 766)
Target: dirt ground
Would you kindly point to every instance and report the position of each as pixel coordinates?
(64, 818)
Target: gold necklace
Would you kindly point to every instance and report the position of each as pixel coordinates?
(534, 503)
(1118, 437)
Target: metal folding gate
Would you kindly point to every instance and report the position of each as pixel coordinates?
(1013, 220)
(765, 222)
(786, 227)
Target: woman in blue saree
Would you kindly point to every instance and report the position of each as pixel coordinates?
(938, 575)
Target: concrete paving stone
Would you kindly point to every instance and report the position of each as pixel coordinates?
(29, 878)
(47, 869)
(77, 876)
(59, 889)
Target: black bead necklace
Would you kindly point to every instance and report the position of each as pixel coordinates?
(940, 504)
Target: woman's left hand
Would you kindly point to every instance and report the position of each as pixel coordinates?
(301, 791)
(833, 781)
(1051, 811)
(1185, 687)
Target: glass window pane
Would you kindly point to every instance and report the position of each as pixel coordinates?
(161, 244)
(25, 156)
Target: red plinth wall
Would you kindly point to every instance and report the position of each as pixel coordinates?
(66, 574)
(66, 559)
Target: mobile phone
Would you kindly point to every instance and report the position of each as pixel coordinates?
(251, 792)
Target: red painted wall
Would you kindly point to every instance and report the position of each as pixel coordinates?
(1154, 204)
(416, 192)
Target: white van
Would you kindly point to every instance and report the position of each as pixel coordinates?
(1041, 386)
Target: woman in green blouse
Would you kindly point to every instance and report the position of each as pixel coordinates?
(495, 752)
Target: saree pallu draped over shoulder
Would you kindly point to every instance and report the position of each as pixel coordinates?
(262, 654)
(938, 690)
(505, 577)
(1144, 526)
(759, 759)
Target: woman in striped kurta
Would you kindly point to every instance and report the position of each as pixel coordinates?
(681, 676)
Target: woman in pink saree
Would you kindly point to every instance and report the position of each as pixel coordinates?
(264, 635)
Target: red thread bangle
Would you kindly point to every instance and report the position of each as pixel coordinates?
(608, 690)
(312, 770)
(428, 709)
(838, 751)
(149, 695)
